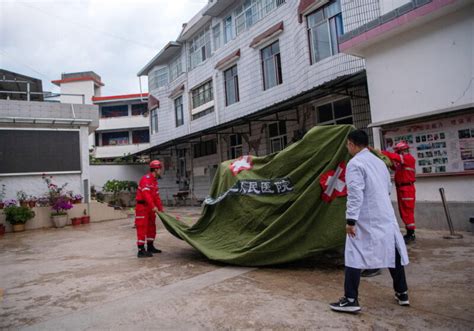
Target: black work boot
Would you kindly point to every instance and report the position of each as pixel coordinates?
(152, 249)
(143, 253)
(409, 237)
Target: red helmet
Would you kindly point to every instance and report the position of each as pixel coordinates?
(155, 164)
(401, 146)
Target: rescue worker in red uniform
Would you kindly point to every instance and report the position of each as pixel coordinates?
(148, 204)
(404, 166)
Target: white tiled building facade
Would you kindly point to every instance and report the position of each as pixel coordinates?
(274, 70)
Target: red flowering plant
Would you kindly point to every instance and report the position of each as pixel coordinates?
(57, 197)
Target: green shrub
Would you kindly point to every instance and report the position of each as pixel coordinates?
(18, 215)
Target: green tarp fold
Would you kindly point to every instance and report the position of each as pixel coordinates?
(274, 212)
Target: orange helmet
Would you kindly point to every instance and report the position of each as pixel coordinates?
(401, 146)
(155, 164)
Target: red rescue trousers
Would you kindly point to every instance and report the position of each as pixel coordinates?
(406, 205)
(145, 224)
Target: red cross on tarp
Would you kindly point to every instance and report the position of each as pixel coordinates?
(333, 183)
(241, 164)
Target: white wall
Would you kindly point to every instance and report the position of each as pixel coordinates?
(102, 173)
(34, 184)
(389, 5)
(428, 69)
(125, 122)
(119, 150)
(81, 87)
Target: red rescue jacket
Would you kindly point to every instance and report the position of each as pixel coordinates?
(404, 166)
(148, 193)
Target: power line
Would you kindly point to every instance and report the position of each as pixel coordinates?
(111, 35)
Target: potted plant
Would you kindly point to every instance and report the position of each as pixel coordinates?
(86, 219)
(32, 201)
(18, 216)
(77, 198)
(7, 203)
(22, 198)
(59, 202)
(2, 196)
(76, 221)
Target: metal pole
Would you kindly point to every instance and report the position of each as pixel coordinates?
(452, 235)
(28, 98)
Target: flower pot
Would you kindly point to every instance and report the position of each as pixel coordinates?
(76, 221)
(2, 205)
(18, 227)
(32, 203)
(24, 203)
(59, 221)
(2, 229)
(85, 219)
(77, 201)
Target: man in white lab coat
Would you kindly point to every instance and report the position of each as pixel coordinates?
(373, 237)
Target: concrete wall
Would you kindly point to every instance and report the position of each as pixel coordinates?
(81, 87)
(98, 212)
(428, 69)
(102, 173)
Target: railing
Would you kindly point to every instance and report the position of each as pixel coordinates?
(45, 94)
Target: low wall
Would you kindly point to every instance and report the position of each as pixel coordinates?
(101, 173)
(97, 211)
(431, 215)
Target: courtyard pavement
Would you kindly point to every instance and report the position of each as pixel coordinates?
(88, 278)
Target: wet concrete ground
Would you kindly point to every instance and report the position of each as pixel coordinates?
(88, 278)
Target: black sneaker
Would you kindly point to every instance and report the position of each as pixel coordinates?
(152, 249)
(409, 238)
(143, 253)
(370, 272)
(402, 299)
(345, 305)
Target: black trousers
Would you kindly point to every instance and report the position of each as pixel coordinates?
(352, 279)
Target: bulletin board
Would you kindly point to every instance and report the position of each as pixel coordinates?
(444, 146)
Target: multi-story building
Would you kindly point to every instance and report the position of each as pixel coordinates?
(40, 138)
(123, 129)
(420, 72)
(250, 77)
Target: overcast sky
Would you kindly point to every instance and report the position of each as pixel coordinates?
(114, 38)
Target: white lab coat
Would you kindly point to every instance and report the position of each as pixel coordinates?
(368, 202)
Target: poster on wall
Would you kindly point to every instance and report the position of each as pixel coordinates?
(439, 146)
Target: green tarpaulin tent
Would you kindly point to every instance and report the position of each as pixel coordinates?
(277, 208)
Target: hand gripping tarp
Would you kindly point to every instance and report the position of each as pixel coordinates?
(277, 208)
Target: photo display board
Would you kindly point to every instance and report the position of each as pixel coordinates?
(38, 151)
(440, 146)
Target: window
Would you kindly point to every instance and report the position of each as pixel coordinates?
(271, 66)
(115, 138)
(154, 121)
(139, 109)
(202, 113)
(216, 36)
(231, 80)
(202, 94)
(205, 148)
(235, 146)
(251, 11)
(159, 78)
(176, 68)
(246, 15)
(324, 28)
(114, 111)
(178, 110)
(141, 136)
(199, 48)
(228, 29)
(277, 134)
(338, 112)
